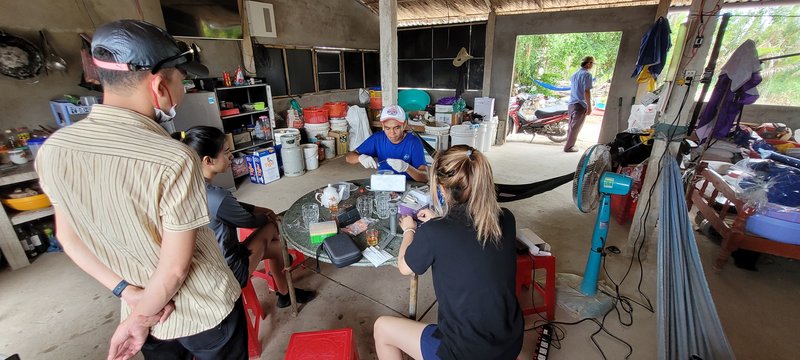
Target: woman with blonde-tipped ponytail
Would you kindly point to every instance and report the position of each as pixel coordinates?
(467, 240)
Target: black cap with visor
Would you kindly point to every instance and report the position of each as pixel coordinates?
(141, 46)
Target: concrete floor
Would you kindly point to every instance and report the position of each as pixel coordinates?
(52, 310)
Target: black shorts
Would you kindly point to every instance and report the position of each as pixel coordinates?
(228, 340)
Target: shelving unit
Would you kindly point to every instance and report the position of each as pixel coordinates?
(9, 243)
(204, 107)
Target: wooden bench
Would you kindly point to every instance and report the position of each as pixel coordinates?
(734, 235)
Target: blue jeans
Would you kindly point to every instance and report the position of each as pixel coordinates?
(429, 344)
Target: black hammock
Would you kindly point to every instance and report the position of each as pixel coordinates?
(508, 193)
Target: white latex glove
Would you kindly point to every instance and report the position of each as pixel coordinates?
(398, 165)
(367, 162)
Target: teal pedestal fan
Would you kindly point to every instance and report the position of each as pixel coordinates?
(592, 187)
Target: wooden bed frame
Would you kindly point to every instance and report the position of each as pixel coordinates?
(733, 234)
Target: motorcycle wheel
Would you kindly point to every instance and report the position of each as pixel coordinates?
(563, 130)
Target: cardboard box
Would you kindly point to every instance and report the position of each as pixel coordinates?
(265, 166)
(484, 106)
(320, 231)
(242, 138)
(341, 139)
(251, 168)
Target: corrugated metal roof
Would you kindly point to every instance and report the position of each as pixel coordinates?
(433, 12)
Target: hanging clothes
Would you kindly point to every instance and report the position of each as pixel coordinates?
(735, 88)
(654, 48)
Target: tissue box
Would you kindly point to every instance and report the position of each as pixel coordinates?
(320, 231)
(265, 166)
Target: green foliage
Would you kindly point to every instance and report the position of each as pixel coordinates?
(552, 58)
(775, 31)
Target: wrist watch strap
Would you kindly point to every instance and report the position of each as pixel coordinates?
(120, 287)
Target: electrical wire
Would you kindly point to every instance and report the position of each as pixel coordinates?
(621, 304)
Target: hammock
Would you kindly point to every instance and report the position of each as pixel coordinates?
(688, 324)
(551, 86)
(508, 193)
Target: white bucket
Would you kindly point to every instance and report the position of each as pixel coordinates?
(492, 133)
(311, 156)
(339, 124)
(312, 130)
(481, 143)
(442, 132)
(330, 147)
(280, 132)
(463, 135)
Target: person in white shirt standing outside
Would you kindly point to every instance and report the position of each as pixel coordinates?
(580, 101)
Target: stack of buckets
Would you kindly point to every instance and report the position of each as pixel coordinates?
(316, 122)
(464, 134)
(442, 132)
(338, 115)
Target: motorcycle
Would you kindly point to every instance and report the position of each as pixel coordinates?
(552, 121)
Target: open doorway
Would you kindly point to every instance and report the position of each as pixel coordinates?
(540, 88)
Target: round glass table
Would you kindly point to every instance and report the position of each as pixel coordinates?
(294, 234)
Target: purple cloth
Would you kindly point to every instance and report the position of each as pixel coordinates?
(724, 106)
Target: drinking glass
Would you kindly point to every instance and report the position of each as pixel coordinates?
(382, 205)
(364, 206)
(373, 236)
(310, 214)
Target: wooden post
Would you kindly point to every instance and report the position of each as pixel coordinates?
(288, 273)
(487, 55)
(412, 297)
(674, 118)
(388, 23)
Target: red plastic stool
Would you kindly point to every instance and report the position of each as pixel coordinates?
(298, 259)
(336, 344)
(253, 315)
(526, 264)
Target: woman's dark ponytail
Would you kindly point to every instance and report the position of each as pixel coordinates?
(205, 140)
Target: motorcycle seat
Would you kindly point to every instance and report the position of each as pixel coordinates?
(551, 111)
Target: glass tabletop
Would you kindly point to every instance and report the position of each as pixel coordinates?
(297, 236)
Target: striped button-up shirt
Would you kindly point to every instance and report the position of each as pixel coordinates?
(122, 181)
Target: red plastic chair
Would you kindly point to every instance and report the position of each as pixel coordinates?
(526, 264)
(298, 259)
(336, 344)
(254, 314)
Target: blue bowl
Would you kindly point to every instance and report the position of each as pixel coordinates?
(413, 100)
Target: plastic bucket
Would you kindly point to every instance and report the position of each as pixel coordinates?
(34, 145)
(463, 135)
(330, 147)
(375, 100)
(315, 115)
(442, 132)
(481, 141)
(491, 133)
(339, 124)
(312, 130)
(310, 154)
(280, 132)
(336, 109)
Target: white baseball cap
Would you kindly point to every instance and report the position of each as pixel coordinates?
(393, 112)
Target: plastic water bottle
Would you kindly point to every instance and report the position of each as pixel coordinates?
(259, 131)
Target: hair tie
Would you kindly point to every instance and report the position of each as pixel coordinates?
(183, 135)
(469, 154)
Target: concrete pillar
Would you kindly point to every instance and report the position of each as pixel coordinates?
(673, 122)
(388, 22)
(487, 56)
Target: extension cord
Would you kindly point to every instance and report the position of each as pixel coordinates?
(543, 345)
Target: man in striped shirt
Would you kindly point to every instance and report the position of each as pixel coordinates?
(130, 204)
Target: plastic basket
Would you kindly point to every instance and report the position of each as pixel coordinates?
(315, 115)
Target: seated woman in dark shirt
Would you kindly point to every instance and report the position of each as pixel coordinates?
(227, 214)
(468, 242)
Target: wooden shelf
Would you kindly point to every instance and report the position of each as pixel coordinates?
(27, 216)
(240, 87)
(245, 113)
(252, 145)
(18, 174)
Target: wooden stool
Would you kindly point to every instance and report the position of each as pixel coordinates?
(336, 344)
(252, 307)
(526, 265)
(297, 256)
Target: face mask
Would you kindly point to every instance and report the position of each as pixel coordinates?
(161, 116)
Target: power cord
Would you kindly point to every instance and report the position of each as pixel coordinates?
(620, 303)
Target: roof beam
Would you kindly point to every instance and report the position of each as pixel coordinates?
(489, 5)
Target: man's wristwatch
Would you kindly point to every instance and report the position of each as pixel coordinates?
(120, 288)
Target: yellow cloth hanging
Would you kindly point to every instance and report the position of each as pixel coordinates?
(645, 76)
